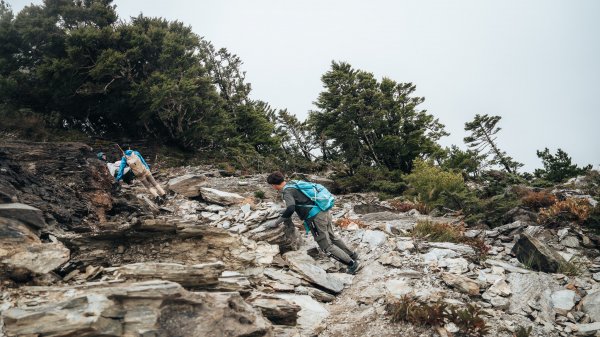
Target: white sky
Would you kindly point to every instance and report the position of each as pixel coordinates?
(536, 63)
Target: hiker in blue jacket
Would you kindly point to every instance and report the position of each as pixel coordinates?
(141, 169)
(320, 225)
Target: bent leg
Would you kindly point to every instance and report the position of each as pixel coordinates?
(155, 184)
(148, 185)
(334, 239)
(324, 241)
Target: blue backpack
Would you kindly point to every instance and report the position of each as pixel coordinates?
(322, 198)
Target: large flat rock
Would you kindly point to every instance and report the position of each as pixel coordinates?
(220, 197)
(187, 185)
(152, 308)
(307, 267)
(28, 215)
(20, 248)
(198, 275)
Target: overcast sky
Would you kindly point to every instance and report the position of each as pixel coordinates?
(534, 63)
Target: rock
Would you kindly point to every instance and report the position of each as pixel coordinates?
(370, 208)
(380, 216)
(461, 249)
(28, 215)
(456, 266)
(596, 277)
(392, 258)
(277, 310)
(307, 267)
(236, 283)
(532, 252)
(187, 185)
(281, 276)
(403, 245)
(220, 197)
(563, 301)
(473, 233)
(152, 308)
(500, 303)
(199, 275)
(311, 314)
(437, 254)
(461, 283)
(590, 329)
(374, 238)
(590, 305)
(320, 296)
(507, 266)
(488, 278)
(500, 288)
(511, 227)
(535, 288)
(562, 233)
(21, 250)
(398, 288)
(570, 241)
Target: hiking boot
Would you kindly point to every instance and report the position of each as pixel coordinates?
(353, 268)
(354, 256)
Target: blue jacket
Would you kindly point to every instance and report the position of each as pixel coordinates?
(124, 163)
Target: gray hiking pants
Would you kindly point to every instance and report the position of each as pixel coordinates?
(322, 231)
(152, 185)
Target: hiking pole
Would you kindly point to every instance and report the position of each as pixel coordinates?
(120, 149)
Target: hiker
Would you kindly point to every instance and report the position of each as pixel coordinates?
(141, 170)
(113, 167)
(320, 225)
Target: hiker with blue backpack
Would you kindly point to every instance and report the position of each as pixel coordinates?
(312, 203)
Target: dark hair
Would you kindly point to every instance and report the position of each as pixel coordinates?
(275, 178)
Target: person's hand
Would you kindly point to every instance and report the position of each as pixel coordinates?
(271, 223)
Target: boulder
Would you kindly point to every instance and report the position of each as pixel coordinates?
(307, 267)
(277, 310)
(537, 255)
(461, 283)
(187, 185)
(590, 329)
(591, 306)
(28, 215)
(374, 238)
(151, 308)
(563, 301)
(21, 250)
(461, 249)
(220, 197)
(311, 314)
(282, 276)
(198, 275)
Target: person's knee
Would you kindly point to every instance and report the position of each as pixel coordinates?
(324, 244)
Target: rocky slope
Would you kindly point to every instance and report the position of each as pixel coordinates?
(78, 258)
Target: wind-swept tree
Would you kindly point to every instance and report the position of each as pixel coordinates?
(558, 168)
(363, 122)
(483, 141)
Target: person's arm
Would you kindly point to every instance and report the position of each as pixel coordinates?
(290, 204)
(121, 168)
(142, 159)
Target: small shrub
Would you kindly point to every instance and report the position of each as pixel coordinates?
(593, 221)
(259, 194)
(438, 232)
(537, 200)
(410, 310)
(565, 210)
(405, 206)
(444, 232)
(469, 321)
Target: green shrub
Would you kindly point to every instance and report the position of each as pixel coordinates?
(436, 187)
(371, 179)
(259, 194)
